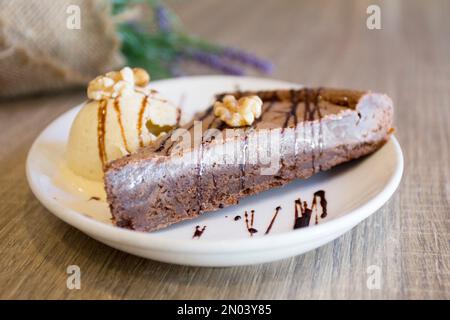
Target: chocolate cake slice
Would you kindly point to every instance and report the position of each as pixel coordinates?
(299, 133)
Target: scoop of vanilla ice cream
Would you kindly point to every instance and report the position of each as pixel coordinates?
(126, 124)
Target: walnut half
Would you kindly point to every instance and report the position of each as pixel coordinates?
(238, 113)
(115, 83)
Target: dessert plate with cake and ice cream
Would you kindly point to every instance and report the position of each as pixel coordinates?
(216, 170)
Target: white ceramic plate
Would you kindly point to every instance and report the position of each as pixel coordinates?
(353, 191)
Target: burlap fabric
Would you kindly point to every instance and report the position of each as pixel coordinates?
(38, 52)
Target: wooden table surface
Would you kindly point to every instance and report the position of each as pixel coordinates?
(316, 43)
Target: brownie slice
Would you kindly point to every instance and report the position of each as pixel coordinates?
(299, 133)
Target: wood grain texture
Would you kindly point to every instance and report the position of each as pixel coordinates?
(312, 42)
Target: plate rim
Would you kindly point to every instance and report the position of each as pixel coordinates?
(149, 241)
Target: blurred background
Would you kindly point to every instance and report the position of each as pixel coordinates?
(399, 47)
(51, 45)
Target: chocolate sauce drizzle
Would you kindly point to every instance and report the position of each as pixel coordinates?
(200, 166)
(141, 119)
(323, 202)
(249, 224)
(119, 121)
(199, 177)
(293, 112)
(101, 123)
(277, 209)
(306, 117)
(302, 220)
(244, 160)
(316, 104)
(168, 135)
(101, 120)
(198, 232)
(204, 140)
(303, 212)
(163, 143)
(309, 115)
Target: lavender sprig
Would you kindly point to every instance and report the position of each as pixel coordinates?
(214, 61)
(163, 18)
(263, 65)
(160, 50)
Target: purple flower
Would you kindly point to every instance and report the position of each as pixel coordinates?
(215, 61)
(163, 18)
(248, 59)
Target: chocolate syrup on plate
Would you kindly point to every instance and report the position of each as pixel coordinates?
(198, 232)
(277, 209)
(303, 219)
(303, 212)
(249, 224)
(323, 202)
